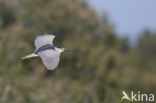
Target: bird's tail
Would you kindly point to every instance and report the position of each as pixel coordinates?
(29, 56)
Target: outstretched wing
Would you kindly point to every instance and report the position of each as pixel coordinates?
(50, 58)
(43, 40)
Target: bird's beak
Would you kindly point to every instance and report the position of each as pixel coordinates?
(67, 50)
(25, 57)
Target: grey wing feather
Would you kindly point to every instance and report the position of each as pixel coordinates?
(43, 40)
(50, 59)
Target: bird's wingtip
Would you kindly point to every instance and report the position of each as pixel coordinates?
(46, 34)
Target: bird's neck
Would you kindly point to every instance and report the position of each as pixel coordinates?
(58, 50)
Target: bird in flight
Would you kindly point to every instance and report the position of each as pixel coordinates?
(47, 51)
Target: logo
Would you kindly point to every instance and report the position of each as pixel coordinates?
(137, 97)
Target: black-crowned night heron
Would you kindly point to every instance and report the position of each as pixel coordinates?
(44, 48)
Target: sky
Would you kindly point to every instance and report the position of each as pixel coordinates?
(129, 16)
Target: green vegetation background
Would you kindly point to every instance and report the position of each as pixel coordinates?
(98, 69)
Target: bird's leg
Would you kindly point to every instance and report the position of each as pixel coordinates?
(30, 56)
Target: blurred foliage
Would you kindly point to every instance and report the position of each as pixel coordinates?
(99, 67)
(6, 16)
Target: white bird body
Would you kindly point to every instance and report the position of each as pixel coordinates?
(46, 51)
(50, 58)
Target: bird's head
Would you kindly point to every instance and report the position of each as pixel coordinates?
(60, 49)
